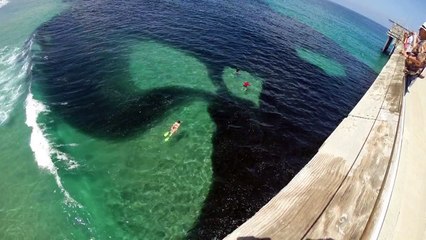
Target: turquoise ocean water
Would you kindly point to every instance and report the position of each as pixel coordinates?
(69, 172)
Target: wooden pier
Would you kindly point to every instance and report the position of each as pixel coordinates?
(395, 36)
(344, 191)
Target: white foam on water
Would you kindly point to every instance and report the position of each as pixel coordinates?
(44, 154)
(43, 149)
(14, 66)
(71, 164)
(3, 3)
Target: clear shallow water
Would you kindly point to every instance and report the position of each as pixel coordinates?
(354, 33)
(84, 145)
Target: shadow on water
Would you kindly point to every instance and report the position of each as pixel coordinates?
(257, 151)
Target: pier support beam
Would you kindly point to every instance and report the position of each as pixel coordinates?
(388, 42)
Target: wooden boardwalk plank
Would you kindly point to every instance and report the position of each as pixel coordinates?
(349, 211)
(395, 92)
(296, 208)
(370, 104)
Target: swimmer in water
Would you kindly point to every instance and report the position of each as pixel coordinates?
(173, 129)
(245, 86)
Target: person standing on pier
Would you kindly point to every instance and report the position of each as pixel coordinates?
(408, 42)
(404, 40)
(415, 61)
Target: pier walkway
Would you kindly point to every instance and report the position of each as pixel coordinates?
(406, 217)
(367, 179)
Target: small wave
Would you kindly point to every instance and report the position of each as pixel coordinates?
(14, 67)
(43, 149)
(3, 3)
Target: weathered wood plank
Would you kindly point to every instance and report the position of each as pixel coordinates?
(295, 209)
(394, 95)
(370, 104)
(350, 209)
(391, 108)
(377, 217)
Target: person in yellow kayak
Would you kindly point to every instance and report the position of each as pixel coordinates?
(173, 129)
